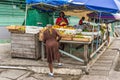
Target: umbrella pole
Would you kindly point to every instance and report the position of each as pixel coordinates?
(97, 44)
(93, 35)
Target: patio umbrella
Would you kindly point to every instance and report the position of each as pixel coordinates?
(111, 6)
(108, 16)
(51, 2)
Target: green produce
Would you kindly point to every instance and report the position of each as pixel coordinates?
(78, 33)
(85, 30)
(79, 36)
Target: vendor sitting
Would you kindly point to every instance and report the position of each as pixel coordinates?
(81, 23)
(83, 28)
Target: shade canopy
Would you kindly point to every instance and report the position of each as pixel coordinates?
(112, 6)
(109, 16)
(52, 2)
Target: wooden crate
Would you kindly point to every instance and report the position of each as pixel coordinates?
(25, 46)
(82, 39)
(16, 31)
(67, 38)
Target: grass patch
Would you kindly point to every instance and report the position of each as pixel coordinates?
(5, 41)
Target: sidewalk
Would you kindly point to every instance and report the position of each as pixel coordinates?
(13, 74)
(26, 69)
(103, 69)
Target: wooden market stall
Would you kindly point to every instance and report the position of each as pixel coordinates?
(27, 45)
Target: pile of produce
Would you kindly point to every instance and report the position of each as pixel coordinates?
(63, 27)
(67, 33)
(41, 33)
(16, 29)
(80, 37)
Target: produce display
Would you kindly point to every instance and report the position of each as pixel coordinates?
(41, 33)
(82, 38)
(16, 29)
(63, 27)
(68, 33)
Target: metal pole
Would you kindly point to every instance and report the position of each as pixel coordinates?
(70, 48)
(26, 13)
(86, 54)
(98, 31)
(72, 56)
(92, 46)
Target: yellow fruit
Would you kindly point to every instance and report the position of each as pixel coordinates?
(62, 23)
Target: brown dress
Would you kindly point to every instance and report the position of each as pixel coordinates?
(51, 45)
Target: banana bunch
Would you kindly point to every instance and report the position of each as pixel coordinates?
(56, 26)
(64, 27)
(16, 27)
(22, 28)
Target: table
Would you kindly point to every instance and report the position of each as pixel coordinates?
(96, 34)
(92, 33)
(86, 52)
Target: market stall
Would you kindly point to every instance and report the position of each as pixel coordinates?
(86, 52)
(70, 34)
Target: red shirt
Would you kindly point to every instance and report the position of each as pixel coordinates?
(60, 20)
(81, 22)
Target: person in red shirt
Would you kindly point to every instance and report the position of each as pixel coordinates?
(81, 21)
(61, 20)
(82, 27)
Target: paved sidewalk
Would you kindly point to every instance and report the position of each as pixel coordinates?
(103, 69)
(25, 69)
(12, 74)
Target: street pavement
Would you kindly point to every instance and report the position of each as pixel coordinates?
(104, 67)
(12, 74)
(23, 69)
(27, 69)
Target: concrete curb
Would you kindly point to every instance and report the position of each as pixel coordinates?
(66, 71)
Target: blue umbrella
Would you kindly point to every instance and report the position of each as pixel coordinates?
(109, 16)
(36, 1)
(111, 6)
(52, 2)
